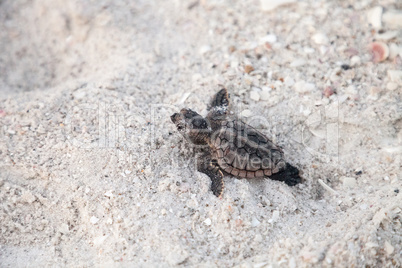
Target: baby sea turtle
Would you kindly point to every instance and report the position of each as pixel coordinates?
(233, 147)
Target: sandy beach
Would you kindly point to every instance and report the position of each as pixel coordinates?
(93, 173)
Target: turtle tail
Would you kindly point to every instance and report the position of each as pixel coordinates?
(290, 175)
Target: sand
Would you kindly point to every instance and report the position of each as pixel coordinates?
(93, 173)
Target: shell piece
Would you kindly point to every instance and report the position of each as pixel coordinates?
(393, 19)
(374, 17)
(379, 51)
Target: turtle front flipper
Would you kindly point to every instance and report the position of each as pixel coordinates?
(209, 167)
(219, 109)
(221, 99)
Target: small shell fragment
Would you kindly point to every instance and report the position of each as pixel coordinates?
(248, 69)
(246, 113)
(304, 87)
(94, 220)
(379, 51)
(355, 60)
(386, 36)
(270, 38)
(393, 19)
(392, 86)
(320, 39)
(268, 5)
(394, 51)
(254, 95)
(374, 17)
(349, 182)
(389, 249)
(395, 76)
(328, 91)
(208, 222)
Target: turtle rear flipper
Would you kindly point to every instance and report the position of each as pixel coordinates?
(209, 167)
(290, 175)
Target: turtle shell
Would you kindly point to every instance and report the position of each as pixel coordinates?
(243, 151)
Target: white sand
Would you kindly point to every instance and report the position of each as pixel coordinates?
(92, 171)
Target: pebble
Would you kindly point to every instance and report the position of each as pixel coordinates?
(28, 197)
(258, 238)
(255, 222)
(248, 69)
(196, 77)
(386, 36)
(246, 113)
(304, 87)
(204, 49)
(289, 81)
(395, 76)
(342, 98)
(109, 193)
(389, 249)
(264, 95)
(374, 17)
(270, 38)
(208, 222)
(254, 95)
(275, 216)
(323, 50)
(393, 19)
(351, 91)
(371, 245)
(64, 228)
(392, 86)
(379, 51)
(94, 220)
(268, 5)
(292, 263)
(328, 91)
(298, 63)
(80, 94)
(99, 240)
(176, 256)
(234, 64)
(355, 60)
(349, 182)
(394, 51)
(308, 50)
(266, 88)
(320, 39)
(379, 217)
(374, 93)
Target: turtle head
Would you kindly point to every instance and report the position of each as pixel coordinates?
(192, 126)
